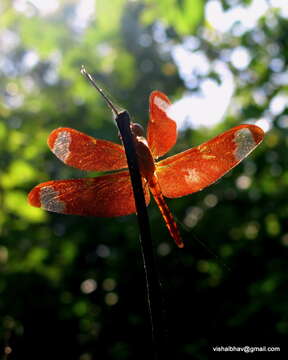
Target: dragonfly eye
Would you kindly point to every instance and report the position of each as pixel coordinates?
(137, 129)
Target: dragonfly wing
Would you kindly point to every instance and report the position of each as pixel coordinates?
(196, 168)
(85, 152)
(162, 130)
(104, 196)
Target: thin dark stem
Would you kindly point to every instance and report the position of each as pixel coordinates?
(90, 78)
(152, 281)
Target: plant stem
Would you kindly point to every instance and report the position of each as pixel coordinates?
(152, 280)
(154, 298)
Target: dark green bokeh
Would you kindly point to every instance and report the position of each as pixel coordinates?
(228, 286)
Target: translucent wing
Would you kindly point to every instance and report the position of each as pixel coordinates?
(104, 196)
(162, 130)
(196, 168)
(85, 152)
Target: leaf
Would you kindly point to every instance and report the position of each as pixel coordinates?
(16, 202)
(51, 35)
(19, 173)
(184, 15)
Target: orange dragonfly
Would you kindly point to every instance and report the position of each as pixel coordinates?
(112, 195)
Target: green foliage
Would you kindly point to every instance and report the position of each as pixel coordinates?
(73, 287)
(183, 15)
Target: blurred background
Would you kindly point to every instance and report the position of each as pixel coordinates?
(73, 287)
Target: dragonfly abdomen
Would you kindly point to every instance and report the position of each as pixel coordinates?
(165, 211)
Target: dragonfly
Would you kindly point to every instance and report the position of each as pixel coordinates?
(111, 195)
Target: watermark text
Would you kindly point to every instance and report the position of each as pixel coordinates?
(246, 349)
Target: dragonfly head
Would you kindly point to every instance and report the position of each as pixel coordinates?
(137, 129)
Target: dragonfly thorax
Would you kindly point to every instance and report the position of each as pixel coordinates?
(137, 129)
(145, 158)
